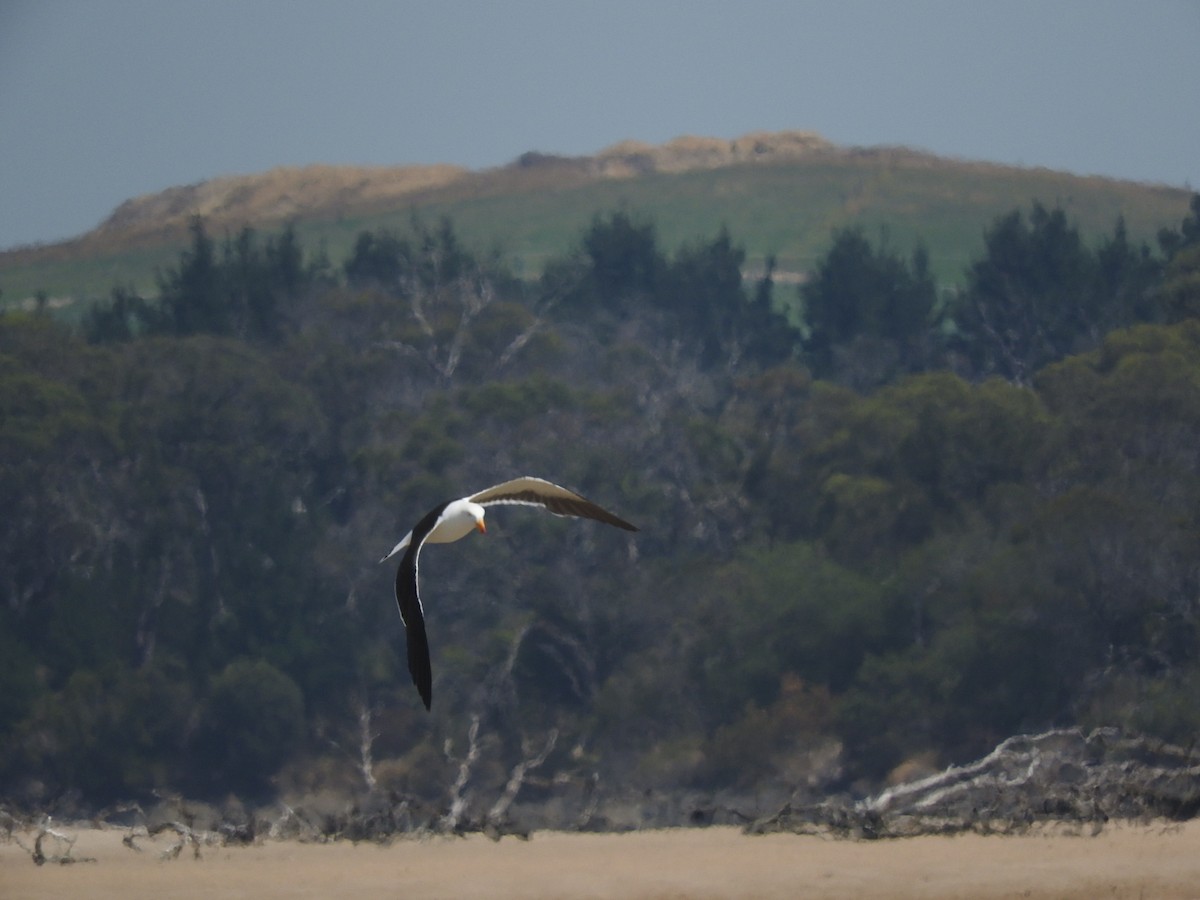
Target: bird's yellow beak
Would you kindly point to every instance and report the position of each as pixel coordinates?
(482, 528)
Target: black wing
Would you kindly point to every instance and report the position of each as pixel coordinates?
(409, 600)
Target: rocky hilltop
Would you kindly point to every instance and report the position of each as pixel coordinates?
(273, 196)
(684, 154)
(326, 191)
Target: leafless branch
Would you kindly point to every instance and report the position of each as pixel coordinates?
(366, 741)
(518, 343)
(458, 799)
(499, 810)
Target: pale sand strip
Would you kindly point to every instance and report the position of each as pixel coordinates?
(1153, 861)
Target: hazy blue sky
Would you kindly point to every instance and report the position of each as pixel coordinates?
(102, 100)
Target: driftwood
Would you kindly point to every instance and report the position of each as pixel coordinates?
(59, 847)
(1060, 777)
(182, 820)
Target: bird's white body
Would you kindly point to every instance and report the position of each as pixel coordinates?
(458, 519)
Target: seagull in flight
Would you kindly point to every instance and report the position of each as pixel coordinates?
(454, 520)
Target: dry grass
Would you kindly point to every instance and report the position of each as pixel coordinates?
(273, 197)
(1144, 861)
(321, 191)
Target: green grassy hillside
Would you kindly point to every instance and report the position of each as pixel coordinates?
(790, 210)
(787, 208)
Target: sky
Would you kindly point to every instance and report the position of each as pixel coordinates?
(103, 100)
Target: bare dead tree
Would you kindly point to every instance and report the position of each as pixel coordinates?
(366, 741)
(591, 792)
(517, 344)
(293, 824)
(496, 816)
(471, 293)
(363, 754)
(475, 294)
(451, 821)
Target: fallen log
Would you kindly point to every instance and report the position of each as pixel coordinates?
(1062, 776)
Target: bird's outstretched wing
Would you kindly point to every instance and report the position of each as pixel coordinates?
(408, 598)
(530, 491)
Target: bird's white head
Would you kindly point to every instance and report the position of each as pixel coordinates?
(476, 512)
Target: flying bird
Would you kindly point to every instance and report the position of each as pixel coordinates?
(454, 520)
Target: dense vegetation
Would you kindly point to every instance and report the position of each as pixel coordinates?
(911, 521)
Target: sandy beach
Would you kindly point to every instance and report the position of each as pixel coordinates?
(1156, 861)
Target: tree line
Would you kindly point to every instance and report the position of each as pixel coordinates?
(876, 514)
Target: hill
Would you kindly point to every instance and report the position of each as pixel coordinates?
(779, 194)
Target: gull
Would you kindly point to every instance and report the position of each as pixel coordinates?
(454, 520)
